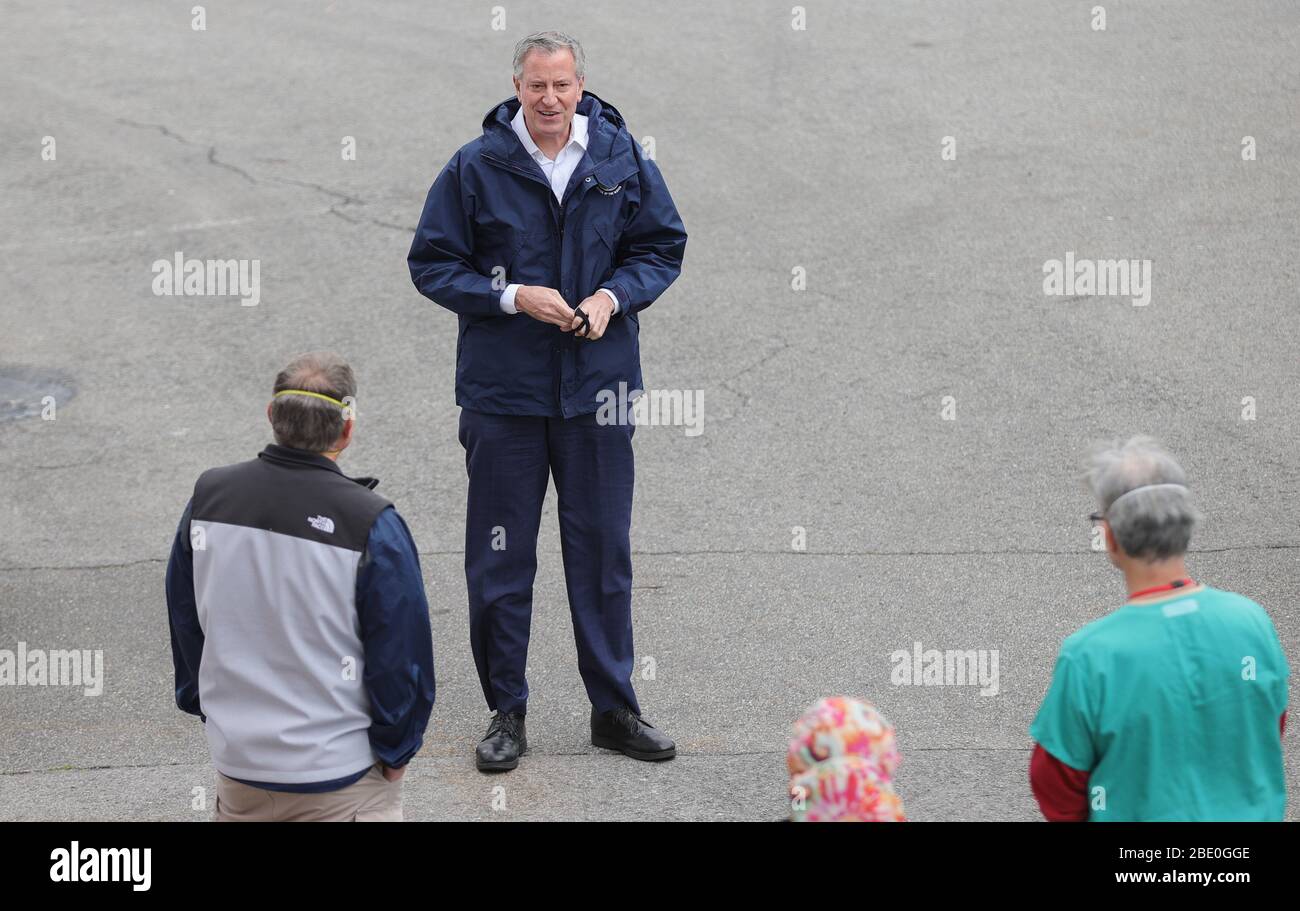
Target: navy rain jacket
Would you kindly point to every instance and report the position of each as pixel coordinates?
(493, 207)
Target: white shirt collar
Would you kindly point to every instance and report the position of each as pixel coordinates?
(577, 133)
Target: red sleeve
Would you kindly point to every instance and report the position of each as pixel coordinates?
(1061, 792)
(1283, 724)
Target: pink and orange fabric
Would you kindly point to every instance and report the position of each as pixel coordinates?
(841, 761)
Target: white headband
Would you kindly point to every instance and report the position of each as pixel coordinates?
(1143, 487)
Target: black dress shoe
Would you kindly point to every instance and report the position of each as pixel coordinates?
(503, 743)
(630, 734)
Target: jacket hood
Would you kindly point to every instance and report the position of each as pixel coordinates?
(603, 127)
(589, 105)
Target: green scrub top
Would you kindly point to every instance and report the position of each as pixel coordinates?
(1173, 705)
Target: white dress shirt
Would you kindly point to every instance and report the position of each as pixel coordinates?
(558, 172)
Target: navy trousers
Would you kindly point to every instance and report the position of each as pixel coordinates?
(509, 458)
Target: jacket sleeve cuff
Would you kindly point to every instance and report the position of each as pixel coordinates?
(508, 299)
(614, 297)
(619, 294)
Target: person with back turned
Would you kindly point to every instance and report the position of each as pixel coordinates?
(299, 626)
(1172, 706)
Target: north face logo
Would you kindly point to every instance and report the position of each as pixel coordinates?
(322, 523)
(608, 191)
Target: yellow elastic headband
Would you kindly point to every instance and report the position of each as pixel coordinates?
(315, 395)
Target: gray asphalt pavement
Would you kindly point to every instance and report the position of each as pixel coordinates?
(823, 408)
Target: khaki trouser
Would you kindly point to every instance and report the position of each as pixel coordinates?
(371, 799)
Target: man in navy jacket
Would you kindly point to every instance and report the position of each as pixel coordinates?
(547, 236)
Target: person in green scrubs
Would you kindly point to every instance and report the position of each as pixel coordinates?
(1172, 706)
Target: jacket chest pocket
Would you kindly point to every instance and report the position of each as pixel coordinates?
(598, 246)
(610, 193)
(494, 253)
(605, 210)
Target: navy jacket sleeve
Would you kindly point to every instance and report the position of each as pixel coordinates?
(442, 249)
(650, 251)
(398, 643)
(183, 618)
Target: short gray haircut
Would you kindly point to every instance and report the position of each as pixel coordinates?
(549, 43)
(1155, 522)
(305, 422)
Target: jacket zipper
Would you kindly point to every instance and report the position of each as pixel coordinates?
(557, 209)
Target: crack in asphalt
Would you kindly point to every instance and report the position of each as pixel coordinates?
(212, 160)
(334, 210)
(346, 199)
(742, 553)
(747, 397)
(456, 757)
(155, 126)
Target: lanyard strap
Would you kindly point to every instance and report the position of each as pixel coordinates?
(1177, 583)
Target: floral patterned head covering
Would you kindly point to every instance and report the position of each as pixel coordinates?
(842, 762)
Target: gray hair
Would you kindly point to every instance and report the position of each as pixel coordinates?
(304, 422)
(550, 42)
(1142, 493)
